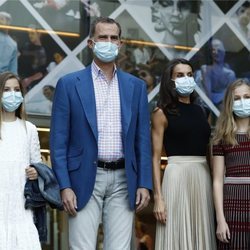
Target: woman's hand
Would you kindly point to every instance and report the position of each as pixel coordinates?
(31, 173)
(222, 232)
(160, 211)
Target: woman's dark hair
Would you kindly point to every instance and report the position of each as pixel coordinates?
(168, 97)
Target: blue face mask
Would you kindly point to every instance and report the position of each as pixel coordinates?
(185, 85)
(106, 51)
(241, 108)
(11, 100)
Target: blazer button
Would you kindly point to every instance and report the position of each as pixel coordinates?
(95, 162)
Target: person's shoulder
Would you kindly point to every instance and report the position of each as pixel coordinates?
(158, 116)
(74, 75)
(226, 69)
(30, 125)
(11, 42)
(197, 106)
(201, 110)
(158, 112)
(131, 77)
(30, 128)
(204, 67)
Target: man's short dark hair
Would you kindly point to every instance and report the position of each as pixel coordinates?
(103, 20)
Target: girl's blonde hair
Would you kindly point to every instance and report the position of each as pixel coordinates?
(226, 127)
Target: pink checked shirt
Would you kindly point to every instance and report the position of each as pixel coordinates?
(108, 110)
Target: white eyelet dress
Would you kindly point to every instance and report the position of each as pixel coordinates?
(19, 146)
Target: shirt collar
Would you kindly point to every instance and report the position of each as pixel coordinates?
(96, 71)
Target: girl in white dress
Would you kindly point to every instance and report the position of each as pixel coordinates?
(19, 147)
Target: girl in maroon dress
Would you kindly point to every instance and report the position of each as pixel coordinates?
(231, 169)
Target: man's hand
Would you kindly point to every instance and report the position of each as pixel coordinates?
(69, 201)
(142, 198)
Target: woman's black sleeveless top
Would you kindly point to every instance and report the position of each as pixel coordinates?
(187, 133)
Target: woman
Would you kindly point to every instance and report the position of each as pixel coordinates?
(19, 147)
(231, 169)
(183, 203)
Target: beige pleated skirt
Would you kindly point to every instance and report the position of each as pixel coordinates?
(187, 191)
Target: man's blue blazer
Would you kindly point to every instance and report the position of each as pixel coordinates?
(74, 134)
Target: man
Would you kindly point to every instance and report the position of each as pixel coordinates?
(100, 145)
(8, 47)
(179, 22)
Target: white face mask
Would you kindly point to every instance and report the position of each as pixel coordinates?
(185, 85)
(241, 108)
(106, 51)
(11, 100)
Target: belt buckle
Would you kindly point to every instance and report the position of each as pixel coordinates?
(104, 165)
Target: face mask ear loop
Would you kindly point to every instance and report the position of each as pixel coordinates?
(174, 84)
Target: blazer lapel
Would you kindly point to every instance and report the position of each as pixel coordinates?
(85, 89)
(126, 89)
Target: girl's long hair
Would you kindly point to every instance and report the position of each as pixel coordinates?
(226, 127)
